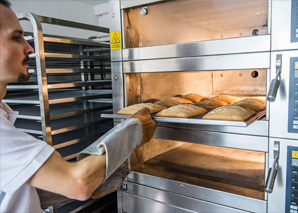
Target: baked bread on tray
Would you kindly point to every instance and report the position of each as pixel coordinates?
(172, 101)
(210, 104)
(193, 97)
(134, 108)
(229, 113)
(182, 111)
(256, 104)
(227, 98)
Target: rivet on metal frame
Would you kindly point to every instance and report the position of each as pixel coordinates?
(144, 11)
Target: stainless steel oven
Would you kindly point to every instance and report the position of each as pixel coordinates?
(210, 47)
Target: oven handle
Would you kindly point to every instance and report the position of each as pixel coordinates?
(276, 81)
(273, 170)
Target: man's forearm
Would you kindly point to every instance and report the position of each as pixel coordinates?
(74, 180)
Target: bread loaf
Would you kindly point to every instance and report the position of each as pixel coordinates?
(230, 113)
(227, 98)
(172, 101)
(182, 111)
(210, 104)
(134, 108)
(193, 97)
(252, 103)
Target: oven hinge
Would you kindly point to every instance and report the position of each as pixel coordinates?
(273, 170)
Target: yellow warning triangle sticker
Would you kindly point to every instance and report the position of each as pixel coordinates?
(115, 39)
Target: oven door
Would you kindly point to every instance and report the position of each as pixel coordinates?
(212, 172)
(284, 197)
(284, 24)
(284, 110)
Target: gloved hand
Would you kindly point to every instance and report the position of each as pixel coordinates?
(113, 182)
(148, 125)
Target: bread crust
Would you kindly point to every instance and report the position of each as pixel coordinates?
(182, 111)
(252, 103)
(172, 101)
(193, 97)
(136, 107)
(229, 113)
(210, 104)
(227, 98)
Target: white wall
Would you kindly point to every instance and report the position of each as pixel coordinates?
(102, 12)
(62, 9)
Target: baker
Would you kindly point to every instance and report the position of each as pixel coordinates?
(27, 163)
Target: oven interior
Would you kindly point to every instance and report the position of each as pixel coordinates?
(236, 171)
(244, 83)
(232, 170)
(180, 21)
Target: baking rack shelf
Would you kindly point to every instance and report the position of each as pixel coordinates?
(70, 86)
(197, 120)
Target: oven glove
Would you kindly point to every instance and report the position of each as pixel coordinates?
(113, 183)
(117, 144)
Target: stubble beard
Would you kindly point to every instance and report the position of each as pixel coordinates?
(24, 76)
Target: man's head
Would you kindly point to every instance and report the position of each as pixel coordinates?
(14, 49)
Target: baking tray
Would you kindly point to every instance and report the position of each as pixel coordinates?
(196, 120)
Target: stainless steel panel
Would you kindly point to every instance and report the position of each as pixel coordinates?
(117, 86)
(115, 25)
(134, 3)
(276, 200)
(238, 141)
(137, 196)
(215, 47)
(133, 203)
(281, 25)
(204, 194)
(279, 108)
(222, 62)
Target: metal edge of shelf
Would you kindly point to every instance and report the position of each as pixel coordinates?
(70, 128)
(14, 101)
(196, 120)
(74, 56)
(73, 99)
(75, 70)
(22, 87)
(79, 112)
(75, 141)
(78, 84)
(69, 40)
(61, 22)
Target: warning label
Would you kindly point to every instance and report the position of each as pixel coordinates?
(115, 40)
(294, 154)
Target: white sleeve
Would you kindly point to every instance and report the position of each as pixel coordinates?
(21, 155)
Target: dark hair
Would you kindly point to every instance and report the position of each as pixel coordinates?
(5, 3)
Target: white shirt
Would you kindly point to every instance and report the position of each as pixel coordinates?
(21, 155)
